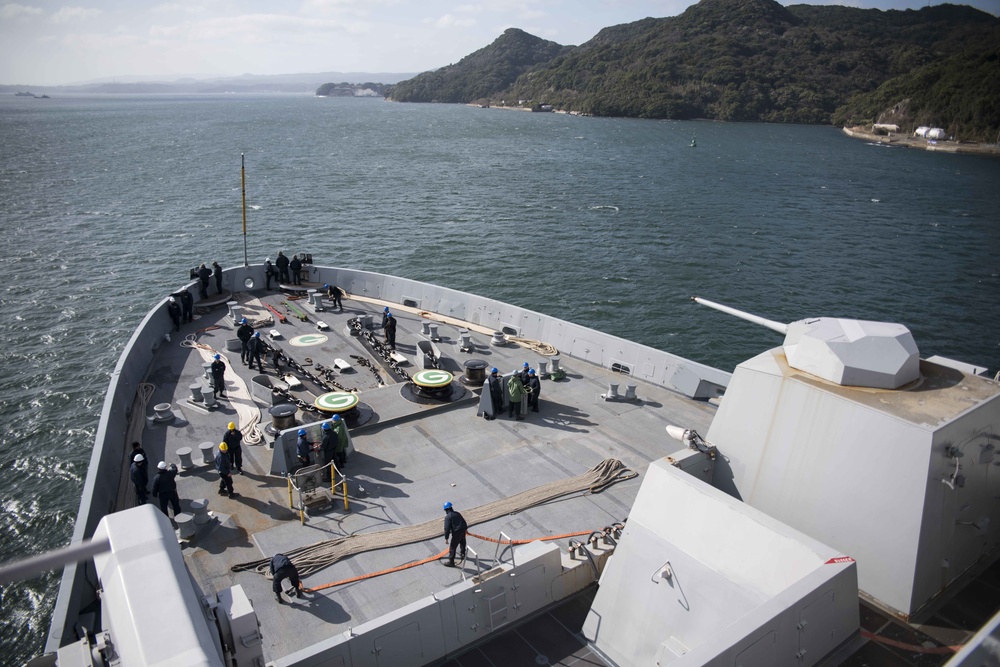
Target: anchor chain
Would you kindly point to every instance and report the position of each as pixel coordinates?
(379, 347)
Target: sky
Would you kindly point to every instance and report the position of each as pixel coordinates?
(45, 42)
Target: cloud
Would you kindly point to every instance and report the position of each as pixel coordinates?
(72, 14)
(13, 11)
(255, 28)
(451, 21)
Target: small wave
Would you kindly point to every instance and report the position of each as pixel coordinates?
(603, 208)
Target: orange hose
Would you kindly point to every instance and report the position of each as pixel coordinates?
(431, 559)
(936, 650)
(372, 575)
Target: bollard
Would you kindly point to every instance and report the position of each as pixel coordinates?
(184, 454)
(541, 368)
(236, 313)
(466, 339)
(630, 391)
(207, 452)
(231, 305)
(434, 331)
(498, 340)
(612, 391)
(199, 507)
(206, 371)
(162, 412)
(425, 327)
(209, 397)
(318, 304)
(196, 392)
(311, 292)
(185, 525)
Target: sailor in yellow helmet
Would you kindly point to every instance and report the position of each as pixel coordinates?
(225, 468)
(234, 440)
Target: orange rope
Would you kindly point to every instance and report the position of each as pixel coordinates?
(937, 650)
(542, 539)
(431, 559)
(372, 575)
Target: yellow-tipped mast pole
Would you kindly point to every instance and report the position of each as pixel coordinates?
(243, 181)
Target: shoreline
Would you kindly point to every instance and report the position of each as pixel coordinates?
(907, 141)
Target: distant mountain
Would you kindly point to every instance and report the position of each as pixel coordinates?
(746, 60)
(247, 83)
(482, 73)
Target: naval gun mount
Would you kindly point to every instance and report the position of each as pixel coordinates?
(857, 353)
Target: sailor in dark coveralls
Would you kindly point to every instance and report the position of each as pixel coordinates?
(225, 470)
(390, 331)
(295, 267)
(282, 263)
(217, 272)
(269, 272)
(204, 273)
(254, 348)
(534, 387)
(281, 569)
(496, 393)
(303, 448)
(234, 440)
(165, 488)
(244, 333)
(454, 527)
(218, 376)
(333, 293)
(187, 306)
(139, 477)
(174, 311)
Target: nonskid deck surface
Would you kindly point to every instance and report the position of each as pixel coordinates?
(409, 460)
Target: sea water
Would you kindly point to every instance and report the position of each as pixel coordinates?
(107, 202)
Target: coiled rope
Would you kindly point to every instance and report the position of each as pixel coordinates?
(247, 412)
(313, 558)
(538, 346)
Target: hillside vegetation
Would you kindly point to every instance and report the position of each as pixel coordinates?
(750, 60)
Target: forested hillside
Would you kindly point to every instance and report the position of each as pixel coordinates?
(750, 60)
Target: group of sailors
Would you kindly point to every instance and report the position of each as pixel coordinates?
(518, 392)
(283, 270)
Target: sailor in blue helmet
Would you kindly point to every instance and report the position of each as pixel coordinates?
(327, 446)
(390, 331)
(254, 347)
(303, 448)
(385, 317)
(244, 333)
(218, 376)
(524, 373)
(454, 527)
(333, 293)
(282, 568)
(496, 393)
(340, 449)
(534, 388)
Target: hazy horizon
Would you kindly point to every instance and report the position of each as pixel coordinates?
(46, 45)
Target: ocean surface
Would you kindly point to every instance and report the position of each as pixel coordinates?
(106, 202)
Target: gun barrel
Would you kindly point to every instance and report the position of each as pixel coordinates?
(764, 322)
